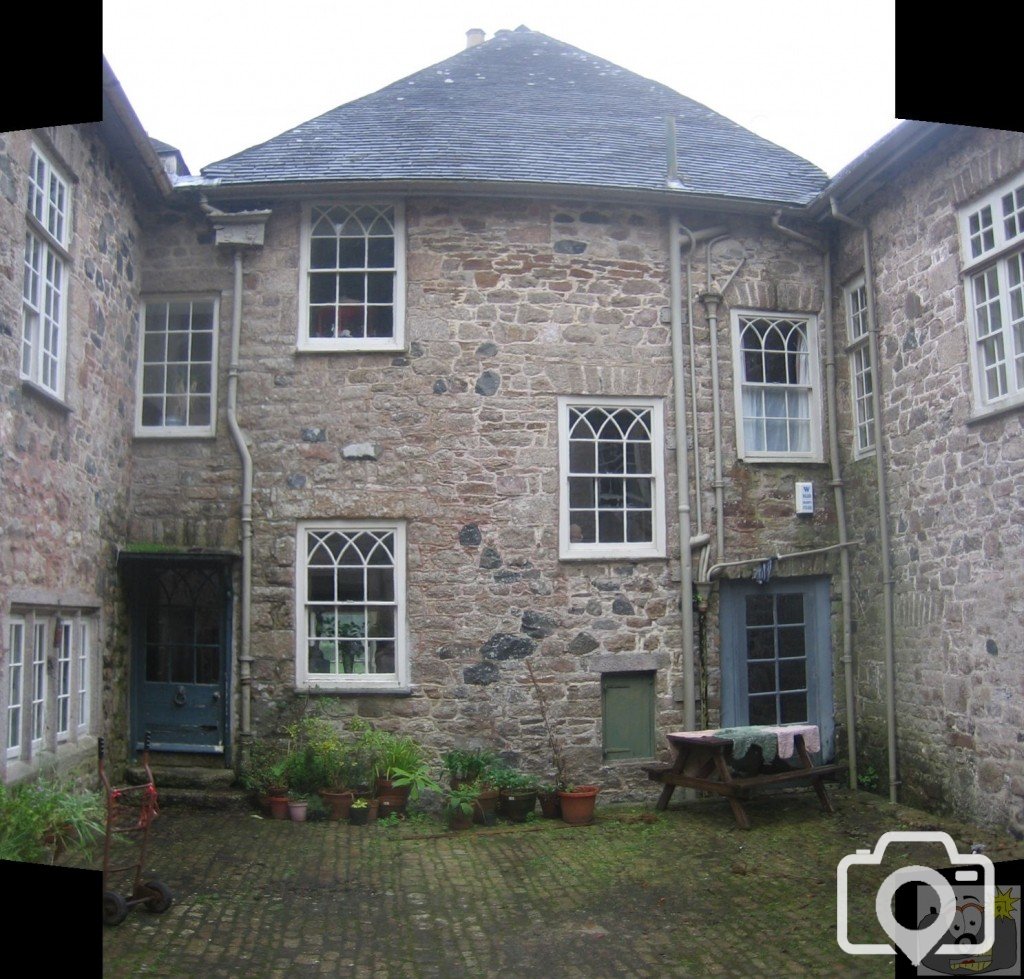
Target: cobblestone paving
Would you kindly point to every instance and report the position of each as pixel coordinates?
(682, 893)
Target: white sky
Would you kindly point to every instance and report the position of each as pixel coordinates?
(213, 77)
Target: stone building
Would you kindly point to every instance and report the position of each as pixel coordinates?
(399, 397)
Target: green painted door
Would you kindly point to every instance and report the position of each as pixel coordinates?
(627, 706)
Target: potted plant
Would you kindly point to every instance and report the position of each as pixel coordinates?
(399, 768)
(468, 764)
(263, 774)
(518, 794)
(298, 808)
(547, 796)
(359, 813)
(577, 803)
(460, 805)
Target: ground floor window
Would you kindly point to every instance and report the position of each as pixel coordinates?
(627, 715)
(350, 606)
(49, 680)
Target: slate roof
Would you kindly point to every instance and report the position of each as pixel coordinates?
(526, 108)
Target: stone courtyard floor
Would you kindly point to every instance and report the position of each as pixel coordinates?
(639, 893)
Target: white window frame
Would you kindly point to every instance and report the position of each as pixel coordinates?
(397, 682)
(45, 276)
(992, 251)
(47, 681)
(188, 375)
(569, 545)
(17, 633)
(810, 386)
(855, 299)
(306, 342)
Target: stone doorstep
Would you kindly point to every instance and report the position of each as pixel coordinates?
(196, 788)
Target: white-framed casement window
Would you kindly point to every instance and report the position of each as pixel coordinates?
(45, 276)
(352, 293)
(777, 392)
(177, 379)
(612, 478)
(49, 680)
(350, 606)
(16, 640)
(862, 384)
(992, 244)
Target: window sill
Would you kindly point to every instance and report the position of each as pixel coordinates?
(599, 554)
(338, 347)
(46, 396)
(355, 689)
(174, 433)
(980, 416)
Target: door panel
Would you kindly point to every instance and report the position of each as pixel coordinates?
(777, 655)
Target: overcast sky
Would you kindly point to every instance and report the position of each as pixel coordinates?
(213, 77)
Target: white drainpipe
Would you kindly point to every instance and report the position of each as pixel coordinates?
(240, 231)
(882, 491)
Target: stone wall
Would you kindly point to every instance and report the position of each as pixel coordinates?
(65, 467)
(509, 305)
(954, 498)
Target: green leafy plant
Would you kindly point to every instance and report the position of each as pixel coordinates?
(470, 764)
(511, 781)
(41, 820)
(867, 778)
(417, 779)
(361, 804)
(461, 800)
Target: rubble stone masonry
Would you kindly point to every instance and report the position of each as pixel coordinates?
(955, 491)
(510, 304)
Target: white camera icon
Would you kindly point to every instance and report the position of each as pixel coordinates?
(914, 942)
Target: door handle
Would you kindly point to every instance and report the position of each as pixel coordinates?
(179, 697)
(216, 696)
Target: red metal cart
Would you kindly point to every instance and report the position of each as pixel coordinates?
(130, 812)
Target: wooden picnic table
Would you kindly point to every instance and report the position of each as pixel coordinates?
(704, 761)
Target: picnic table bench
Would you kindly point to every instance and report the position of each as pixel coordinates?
(704, 761)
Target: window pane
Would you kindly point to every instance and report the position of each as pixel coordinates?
(639, 527)
(793, 708)
(792, 674)
(761, 677)
(763, 710)
(611, 527)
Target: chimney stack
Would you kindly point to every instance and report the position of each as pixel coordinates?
(474, 36)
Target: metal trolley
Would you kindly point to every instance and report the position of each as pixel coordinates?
(130, 812)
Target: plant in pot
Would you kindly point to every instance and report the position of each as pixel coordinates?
(399, 767)
(359, 812)
(468, 764)
(263, 774)
(518, 794)
(298, 807)
(547, 796)
(460, 805)
(577, 802)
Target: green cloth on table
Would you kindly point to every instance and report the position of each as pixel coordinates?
(744, 738)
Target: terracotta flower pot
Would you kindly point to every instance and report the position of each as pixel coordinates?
(578, 805)
(460, 820)
(486, 804)
(550, 807)
(278, 807)
(337, 803)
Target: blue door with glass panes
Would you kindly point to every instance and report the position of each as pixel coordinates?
(181, 621)
(777, 655)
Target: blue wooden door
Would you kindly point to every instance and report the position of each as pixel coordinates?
(777, 655)
(181, 620)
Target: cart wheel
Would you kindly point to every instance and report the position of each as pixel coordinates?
(115, 908)
(162, 897)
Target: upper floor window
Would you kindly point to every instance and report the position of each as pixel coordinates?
(177, 368)
(992, 243)
(861, 379)
(353, 278)
(45, 276)
(350, 606)
(612, 486)
(776, 387)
